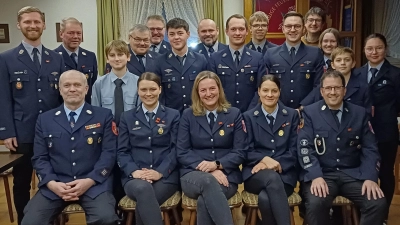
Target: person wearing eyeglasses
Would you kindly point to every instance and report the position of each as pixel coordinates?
(357, 91)
(76, 57)
(298, 66)
(141, 59)
(258, 29)
(338, 153)
(156, 24)
(314, 24)
(178, 67)
(384, 83)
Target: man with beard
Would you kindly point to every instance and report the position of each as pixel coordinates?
(178, 67)
(141, 59)
(259, 28)
(75, 57)
(208, 33)
(239, 68)
(29, 76)
(156, 24)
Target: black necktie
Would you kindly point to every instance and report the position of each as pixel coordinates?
(373, 74)
(36, 58)
(180, 59)
(153, 48)
(140, 59)
(72, 119)
(237, 53)
(151, 117)
(334, 113)
(73, 55)
(293, 53)
(271, 121)
(211, 50)
(259, 49)
(329, 64)
(119, 99)
(212, 119)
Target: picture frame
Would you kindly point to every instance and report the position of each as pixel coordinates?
(4, 33)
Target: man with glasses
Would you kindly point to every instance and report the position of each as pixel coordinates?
(141, 59)
(75, 57)
(156, 24)
(208, 33)
(298, 66)
(315, 22)
(259, 28)
(338, 153)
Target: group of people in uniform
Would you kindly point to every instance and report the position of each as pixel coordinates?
(166, 117)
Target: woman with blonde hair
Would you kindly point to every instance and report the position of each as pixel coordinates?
(211, 143)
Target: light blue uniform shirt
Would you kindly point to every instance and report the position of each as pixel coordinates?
(273, 114)
(103, 91)
(29, 49)
(77, 111)
(146, 110)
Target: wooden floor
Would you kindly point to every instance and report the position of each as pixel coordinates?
(80, 220)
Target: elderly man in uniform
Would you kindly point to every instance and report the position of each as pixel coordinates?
(239, 68)
(259, 27)
(338, 152)
(141, 60)
(298, 66)
(156, 24)
(29, 77)
(208, 33)
(74, 153)
(75, 57)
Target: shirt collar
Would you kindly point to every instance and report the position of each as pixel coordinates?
(69, 52)
(154, 110)
(233, 51)
(325, 58)
(215, 47)
(113, 77)
(289, 46)
(77, 111)
(274, 113)
(144, 56)
(214, 112)
(377, 67)
(186, 53)
(262, 44)
(340, 108)
(29, 48)
(157, 46)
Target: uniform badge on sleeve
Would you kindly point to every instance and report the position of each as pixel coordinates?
(114, 128)
(370, 127)
(244, 126)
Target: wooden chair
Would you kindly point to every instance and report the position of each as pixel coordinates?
(397, 172)
(191, 205)
(349, 211)
(5, 175)
(70, 209)
(128, 206)
(250, 202)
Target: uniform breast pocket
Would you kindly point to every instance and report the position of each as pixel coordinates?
(19, 83)
(106, 102)
(354, 141)
(53, 82)
(306, 74)
(163, 136)
(130, 100)
(278, 72)
(169, 80)
(192, 76)
(320, 139)
(88, 71)
(251, 75)
(52, 139)
(93, 137)
(224, 74)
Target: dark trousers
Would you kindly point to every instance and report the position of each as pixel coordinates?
(148, 199)
(339, 183)
(388, 151)
(118, 190)
(22, 173)
(272, 196)
(99, 211)
(212, 203)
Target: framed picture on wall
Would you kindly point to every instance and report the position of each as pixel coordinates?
(4, 33)
(275, 11)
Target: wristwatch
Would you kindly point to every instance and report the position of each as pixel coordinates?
(218, 163)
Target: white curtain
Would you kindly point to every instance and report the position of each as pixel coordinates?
(189, 10)
(387, 23)
(134, 12)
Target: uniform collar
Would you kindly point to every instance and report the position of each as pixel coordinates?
(274, 113)
(69, 52)
(77, 111)
(154, 110)
(296, 47)
(113, 77)
(29, 48)
(378, 67)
